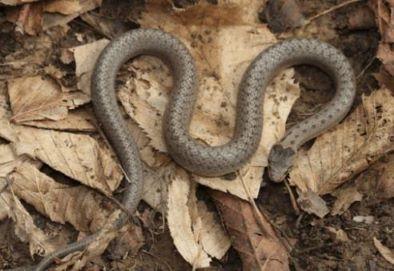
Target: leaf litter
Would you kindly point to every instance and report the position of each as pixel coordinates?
(221, 60)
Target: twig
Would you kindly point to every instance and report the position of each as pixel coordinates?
(292, 198)
(260, 216)
(366, 68)
(341, 5)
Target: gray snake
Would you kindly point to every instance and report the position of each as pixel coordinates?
(188, 152)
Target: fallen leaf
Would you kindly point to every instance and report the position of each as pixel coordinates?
(339, 234)
(35, 98)
(283, 15)
(65, 7)
(386, 253)
(27, 18)
(77, 205)
(39, 243)
(385, 187)
(311, 203)
(78, 156)
(85, 58)
(16, 2)
(383, 12)
(32, 18)
(195, 232)
(351, 147)
(345, 198)
(253, 236)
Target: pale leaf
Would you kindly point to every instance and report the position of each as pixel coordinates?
(351, 147)
(76, 155)
(386, 253)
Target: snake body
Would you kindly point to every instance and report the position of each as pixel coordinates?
(188, 152)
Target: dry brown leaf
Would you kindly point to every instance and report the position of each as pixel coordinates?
(386, 253)
(25, 229)
(345, 198)
(351, 147)
(32, 18)
(85, 58)
(385, 20)
(253, 236)
(339, 234)
(27, 18)
(386, 179)
(283, 15)
(16, 2)
(78, 205)
(196, 234)
(78, 260)
(65, 7)
(311, 203)
(76, 121)
(35, 98)
(76, 155)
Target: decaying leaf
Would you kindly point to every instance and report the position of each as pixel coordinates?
(386, 253)
(311, 203)
(351, 147)
(383, 12)
(16, 2)
(76, 155)
(197, 235)
(32, 18)
(25, 229)
(78, 259)
(62, 203)
(385, 185)
(85, 58)
(253, 236)
(35, 98)
(345, 198)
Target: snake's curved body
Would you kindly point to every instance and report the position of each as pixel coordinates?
(186, 151)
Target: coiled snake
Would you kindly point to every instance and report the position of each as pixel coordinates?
(186, 151)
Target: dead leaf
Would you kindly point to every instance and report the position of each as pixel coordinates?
(311, 203)
(345, 198)
(35, 98)
(16, 2)
(385, 187)
(351, 147)
(386, 253)
(85, 58)
(195, 232)
(284, 15)
(383, 12)
(253, 237)
(76, 121)
(65, 7)
(78, 205)
(32, 18)
(339, 234)
(25, 229)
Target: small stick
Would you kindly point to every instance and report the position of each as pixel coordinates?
(292, 199)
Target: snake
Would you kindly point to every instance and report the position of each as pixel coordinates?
(189, 153)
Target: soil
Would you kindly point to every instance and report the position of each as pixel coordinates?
(315, 247)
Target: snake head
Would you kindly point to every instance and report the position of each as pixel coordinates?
(280, 161)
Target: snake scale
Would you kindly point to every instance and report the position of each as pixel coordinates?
(188, 152)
